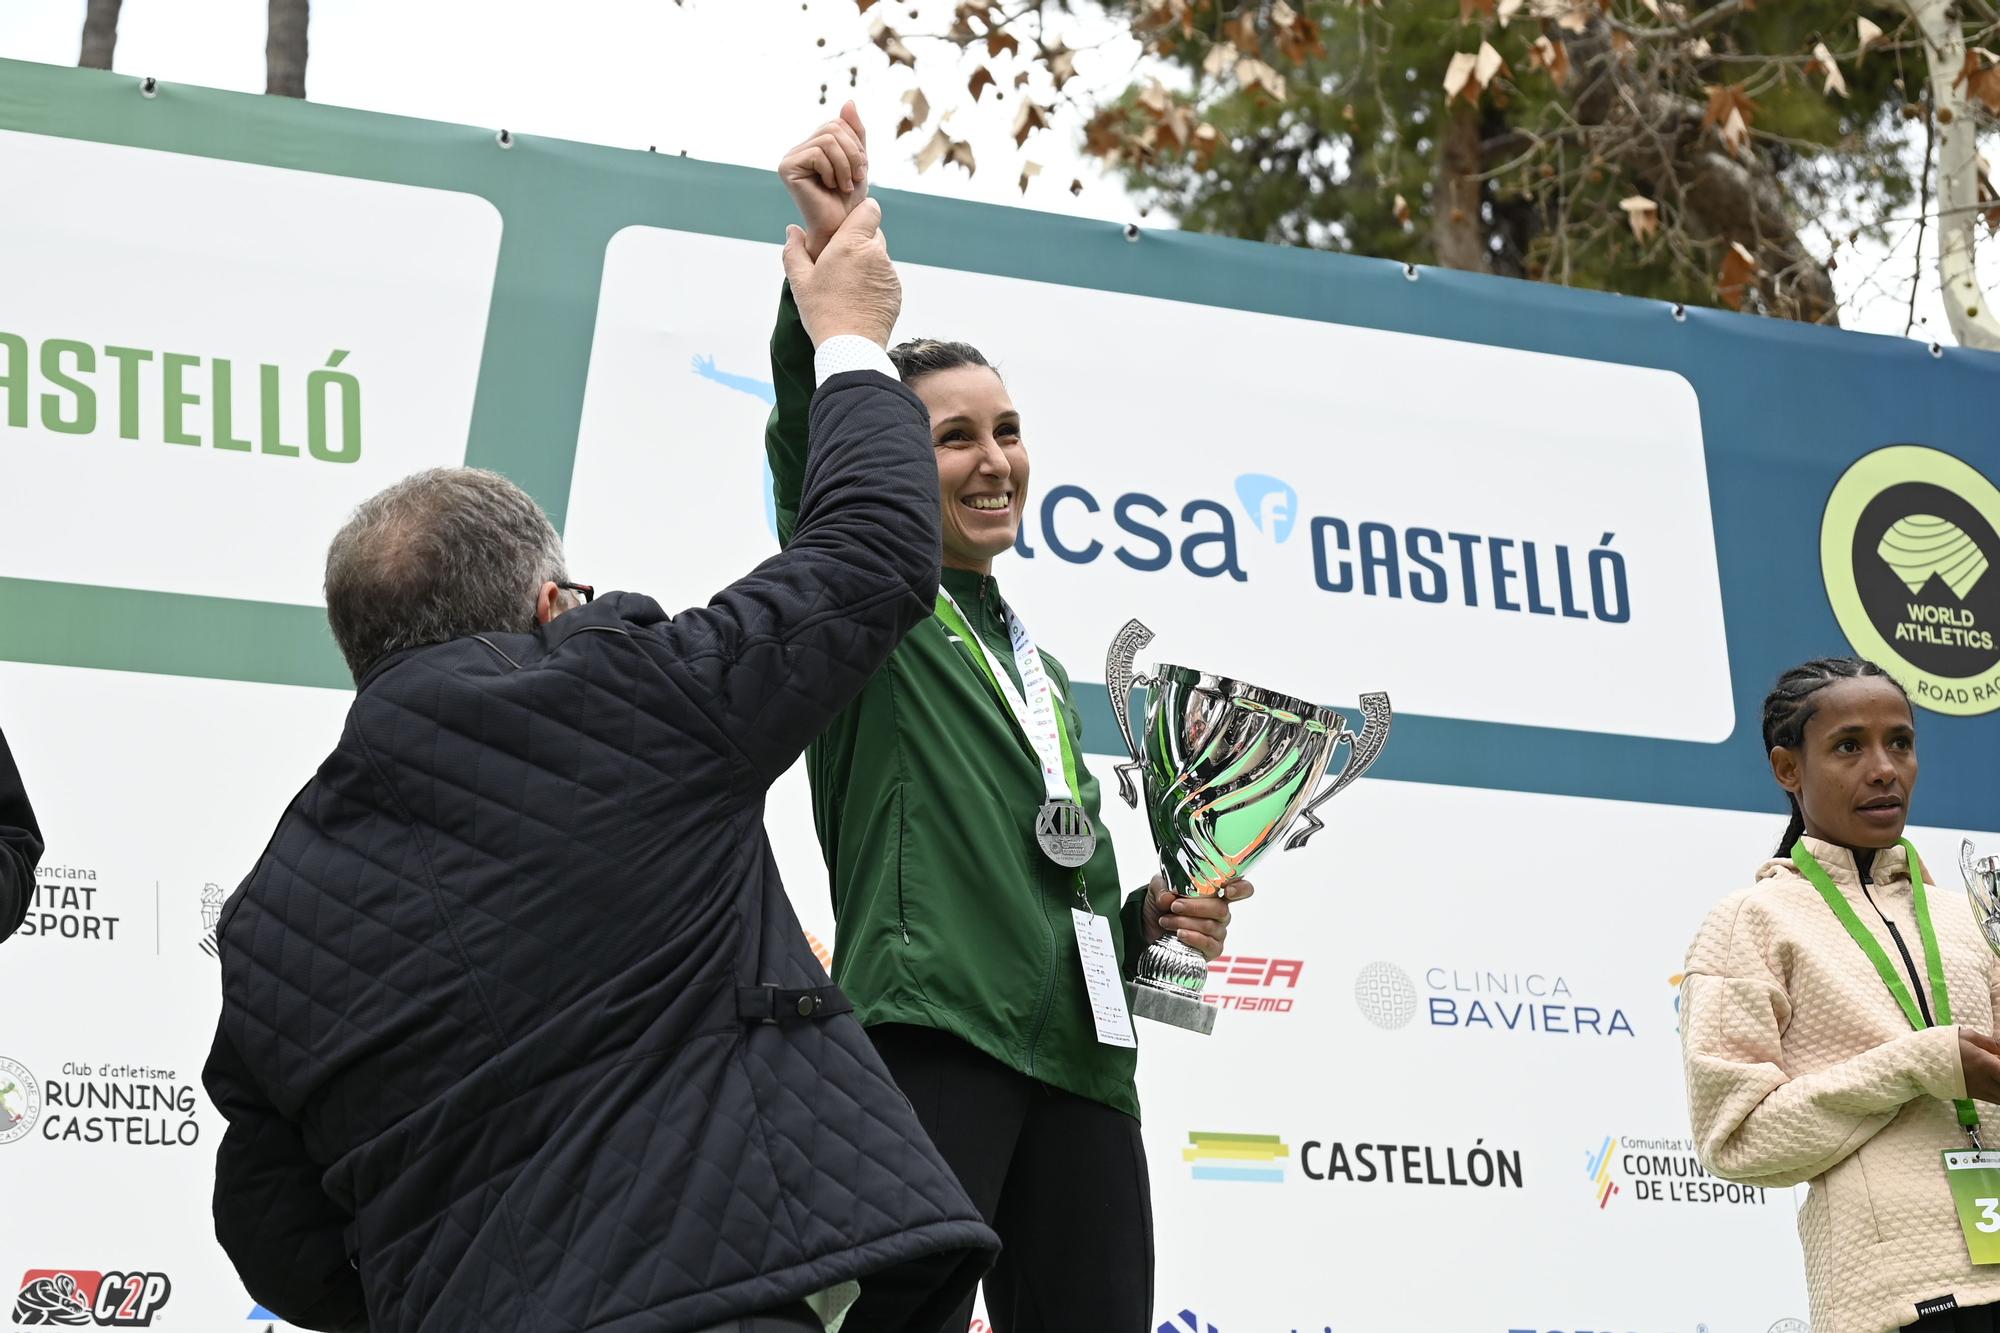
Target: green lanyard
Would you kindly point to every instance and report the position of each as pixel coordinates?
(1809, 866)
(976, 650)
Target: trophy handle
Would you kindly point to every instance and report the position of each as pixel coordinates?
(1965, 860)
(1361, 752)
(1125, 646)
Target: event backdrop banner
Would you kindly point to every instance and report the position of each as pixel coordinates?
(1575, 536)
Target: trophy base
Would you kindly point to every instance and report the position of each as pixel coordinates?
(1164, 1006)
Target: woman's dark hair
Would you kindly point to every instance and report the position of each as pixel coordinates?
(1789, 706)
(927, 356)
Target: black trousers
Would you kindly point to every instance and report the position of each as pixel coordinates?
(1060, 1177)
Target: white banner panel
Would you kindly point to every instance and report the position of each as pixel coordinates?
(1315, 517)
(221, 357)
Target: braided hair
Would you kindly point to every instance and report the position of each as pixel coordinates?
(927, 356)
(1789, 706)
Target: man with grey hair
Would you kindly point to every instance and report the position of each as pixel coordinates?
(519, 1030)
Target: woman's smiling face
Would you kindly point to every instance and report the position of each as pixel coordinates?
(982, 463)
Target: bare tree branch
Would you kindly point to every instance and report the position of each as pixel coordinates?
(100, 34)
(285, 49)
(1958, 172)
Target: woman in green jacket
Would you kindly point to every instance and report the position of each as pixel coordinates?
(958, 939)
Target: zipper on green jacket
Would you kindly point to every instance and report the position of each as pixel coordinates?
(1048, 984)
(902, 912)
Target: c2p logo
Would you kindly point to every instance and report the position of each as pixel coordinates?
(79, 1297)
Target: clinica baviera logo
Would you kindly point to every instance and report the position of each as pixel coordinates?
(1907, 545)
(1485, 1000)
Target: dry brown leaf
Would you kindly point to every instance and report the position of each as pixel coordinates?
(961, 153)
(1489, 64)
(861, 6)
(1458, 75)
(1699, 48)
(933, 151)
(1076, 187)
(1401, 210)
(1153, 98)
(1653, 5)
(1823, 63)
(892, 46)
(1104, 134)
(1732, 112)
(982, 79)
(1870, 36)
(1207, 140)
(1061, 62)
(1576, 19)
(1254, 73)
(1467, 8)
(1507, 10)
(1000, 40)
(1021, 79)
(976, 9)
(1243, 31)
(1029, 119)
(1642, 213)
(1622, 46)
(1298, 36)
(917, 110)
(1222, 56)
(1739, 270)
(1553, 56)
(1981, 77)
(1029, 170)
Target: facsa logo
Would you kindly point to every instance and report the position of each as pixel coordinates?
(79, 1297)
(1272, 504)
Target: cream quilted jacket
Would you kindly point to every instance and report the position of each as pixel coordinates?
(1801, 1067)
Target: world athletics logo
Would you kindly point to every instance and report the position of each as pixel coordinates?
(1254, 1157)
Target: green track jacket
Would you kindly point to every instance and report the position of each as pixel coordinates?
(947, 915)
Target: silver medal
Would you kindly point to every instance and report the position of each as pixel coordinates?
(1064, 831)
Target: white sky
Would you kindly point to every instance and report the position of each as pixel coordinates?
(726, 80)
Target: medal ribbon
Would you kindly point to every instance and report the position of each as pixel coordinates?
(1035, 715)
(1809, 866)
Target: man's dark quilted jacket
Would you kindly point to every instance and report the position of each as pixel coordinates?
(484, 1025)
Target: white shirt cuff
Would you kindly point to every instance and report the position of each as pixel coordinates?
(849, 351)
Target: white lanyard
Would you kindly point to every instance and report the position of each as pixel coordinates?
(1033, 705)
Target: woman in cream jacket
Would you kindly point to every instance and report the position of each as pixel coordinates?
(1802, 1066)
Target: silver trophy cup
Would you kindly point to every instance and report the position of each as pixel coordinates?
(1227, 768)
(1982, 885)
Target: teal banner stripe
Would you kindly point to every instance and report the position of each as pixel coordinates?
(120, 629)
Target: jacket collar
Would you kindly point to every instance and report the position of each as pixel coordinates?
(1890, 866)
(969, 589)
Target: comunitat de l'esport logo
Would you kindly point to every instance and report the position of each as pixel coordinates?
(1483, 1001)
(86, 1298)
(1907, 545)
(1662, 1171)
